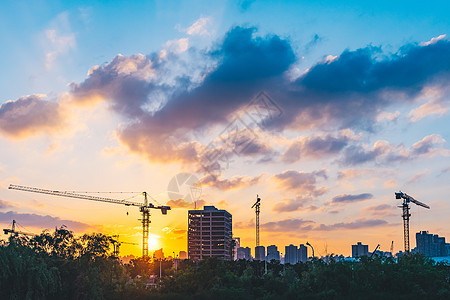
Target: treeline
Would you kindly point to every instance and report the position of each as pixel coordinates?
(59, 265)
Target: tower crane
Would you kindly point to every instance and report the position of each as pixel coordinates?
(14, 232)
(144, 208)
(257, 206)
(308, 244)
(378, 246)
(405, 206)
(116, 244)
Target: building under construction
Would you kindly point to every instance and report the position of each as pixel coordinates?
(210, 234)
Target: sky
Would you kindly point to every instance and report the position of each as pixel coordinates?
(322, 108)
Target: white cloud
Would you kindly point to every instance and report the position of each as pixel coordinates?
(58, 40)
(429, 108)
(388, 116)
(434, 40)
(200, 27)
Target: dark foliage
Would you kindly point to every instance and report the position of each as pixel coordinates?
(61, 266)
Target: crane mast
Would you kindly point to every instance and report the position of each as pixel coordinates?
(257, 207)
(405, 208)
(144, 208)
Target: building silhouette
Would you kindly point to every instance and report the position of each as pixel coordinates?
(237, 244)
(273, 253)
(290, 256)
(260, 253)
(431, 245)
(210, 234)
(244, 253)
(302, 254)
(182, 255)
(360, 250)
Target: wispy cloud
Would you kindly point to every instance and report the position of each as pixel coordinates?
(346, 198)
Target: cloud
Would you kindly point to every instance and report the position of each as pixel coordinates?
(31, 115)
(300, 182)
(41, 221)
(181, 203)
(430, 108)
(418, 176)
(380, 210)
(245, 4)
(317, 146)
(345, 198)
(382, 152)
(199, 27)
(427, 144)
(6, 204)
(434, 40)
(296, 204)
(390, 183)
(168, 101)
(388, 116)
(58, 40)
(352, 173)
(236, 182)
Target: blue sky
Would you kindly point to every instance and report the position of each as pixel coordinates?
(112, 95)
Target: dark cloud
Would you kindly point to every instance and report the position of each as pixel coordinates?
(382, 152)
(165, 104)
(41, 221)
(30, 115)
(351, 198)
(314, 146)
(301, 182)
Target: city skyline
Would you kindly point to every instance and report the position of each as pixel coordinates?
(123, 96)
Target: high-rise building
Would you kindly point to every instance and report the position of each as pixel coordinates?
(360, 250)
(244, 253)
(260, 253)
(302, 253)
(430, 245)
(210, 233)
(290, 256)
(273, 253)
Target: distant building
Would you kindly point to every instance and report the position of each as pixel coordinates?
(430, 245)
(209, 233)
(302, 254)
(360, 250)
(244, 253)
(273, 253)
(237, 244)
(158, 254)
(260, 253)
(183, 255)
(290, 256)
